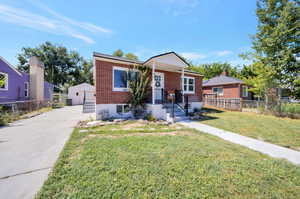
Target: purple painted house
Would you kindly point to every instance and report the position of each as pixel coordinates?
(16, 85)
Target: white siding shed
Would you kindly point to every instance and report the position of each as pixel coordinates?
(76, 93)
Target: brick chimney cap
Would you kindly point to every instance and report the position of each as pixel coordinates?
(225, 73)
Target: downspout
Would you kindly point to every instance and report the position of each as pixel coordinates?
(182, 84)
(153, 84)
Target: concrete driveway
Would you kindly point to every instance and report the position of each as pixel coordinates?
(29, 149)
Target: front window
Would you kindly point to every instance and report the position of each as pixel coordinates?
(189, 85)
(245, 91)
(3, 81)
(120, 79)
(26, 89)
(218, 91)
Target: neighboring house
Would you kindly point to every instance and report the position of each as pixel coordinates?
(224, 86)
(81, 92)
(17, 84)
(169, 77)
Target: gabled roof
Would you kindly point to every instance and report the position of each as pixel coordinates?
(81, 85)
(11, 66)
(220, 80)
(167, 53)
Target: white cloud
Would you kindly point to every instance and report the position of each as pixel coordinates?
(58, 24)
(193, 56)
(87, 26)
(179, 7)
(240, 62)
(223, 53)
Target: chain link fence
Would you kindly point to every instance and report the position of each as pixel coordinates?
(279, 108)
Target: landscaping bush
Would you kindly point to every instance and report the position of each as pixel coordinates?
(139, 84)
(5, 117)
(58, 105)
(150, 118)
(291, 108)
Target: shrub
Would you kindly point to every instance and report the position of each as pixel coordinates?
(58, 105)
(150, 118)
(291, 108)
(138, 80)
(5, 118)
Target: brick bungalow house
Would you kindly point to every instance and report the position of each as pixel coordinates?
(169, 78)
(224, 86)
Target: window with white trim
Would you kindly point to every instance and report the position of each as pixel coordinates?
(3, 81)
(26, 89)
(218, 90)
(188, 84)
(122, 108)
(121, 77)
(245, 91)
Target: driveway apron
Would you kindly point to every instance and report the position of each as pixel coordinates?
(29, 149)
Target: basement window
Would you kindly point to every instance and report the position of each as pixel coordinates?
(123, 108)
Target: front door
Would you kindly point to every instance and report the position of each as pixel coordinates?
(159, 83)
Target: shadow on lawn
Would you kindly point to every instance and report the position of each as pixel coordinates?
(205, 111)
(211, 110)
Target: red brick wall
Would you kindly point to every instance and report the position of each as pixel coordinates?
(105, 94)
(230, 90)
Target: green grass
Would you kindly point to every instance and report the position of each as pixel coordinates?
(280, 131)
(190, 165)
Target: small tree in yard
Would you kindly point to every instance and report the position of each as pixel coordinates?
(139, 81)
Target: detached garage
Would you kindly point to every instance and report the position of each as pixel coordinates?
(79, 92)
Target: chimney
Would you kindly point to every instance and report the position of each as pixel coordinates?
(36, 79)
(225, 73)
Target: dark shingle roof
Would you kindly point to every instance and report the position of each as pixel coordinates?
(116, 58)
(222, 79)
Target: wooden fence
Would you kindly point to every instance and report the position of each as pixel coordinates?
(229, 104)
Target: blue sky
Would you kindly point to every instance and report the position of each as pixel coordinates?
(203, 31)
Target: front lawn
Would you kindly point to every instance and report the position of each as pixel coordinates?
(280, 131)
(140, 160)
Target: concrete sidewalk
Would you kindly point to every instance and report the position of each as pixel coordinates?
(257, 145)
(29, 149)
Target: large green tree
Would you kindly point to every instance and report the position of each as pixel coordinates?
(215, 69)
(61, 65)
(277, 44)
(120, 53)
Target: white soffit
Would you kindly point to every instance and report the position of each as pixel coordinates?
(170, 59)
